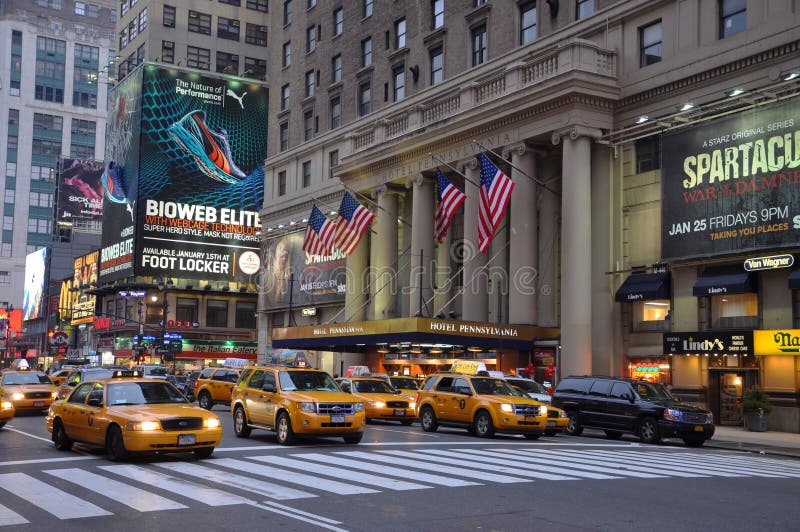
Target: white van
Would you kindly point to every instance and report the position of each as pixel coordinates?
(151, 371)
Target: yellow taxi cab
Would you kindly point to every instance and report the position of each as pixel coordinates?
(6, 411)
(479, 403)
(215, 385)
(61, 375)
(294, 401)
(27, 390)
(129, 414)
(407, 385)
(381, 400)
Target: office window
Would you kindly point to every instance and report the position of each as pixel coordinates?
(437, 13)
(13, 143)
(287, 12)
(732, 17)
(231, 2)
(186, 309)
(216, 313)
(13, 117)
(256, 34)
(479, 45)
(366, 52)
(284, 140)
(478, 3)
(79, 151)
(286, 58)
(527, 19)
(9, 196)
(310, 83)
(437, 65)
(336, 68)
(285, 97)
(42, 173)
(258, 5)
(311, 3)
(142, 20)
(399, 82)
(338, 21)
(400, 33)
(169, 16)
(37, 225)
(648, 154)
(93, 11)
(168, 51)
(650, 44)
(228, 28)
(366, 8)
(80, 8)
(311, 39)
(255, 68)
(46, 148)
(11, 169)
(47, 122)
(86, 128)
(245, 315)
(584, 8)
(308, 125)
(8, 223)
(5, 250)
(306, 174)
(333, 160)
(198, 57)
(282, 183)
(364, 99)
(228, 63)
(199, 23)
(40, 199)
(336, 112)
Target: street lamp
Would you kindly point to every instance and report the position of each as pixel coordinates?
(163, 286)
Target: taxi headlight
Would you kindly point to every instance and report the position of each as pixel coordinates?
(18, 396)
(142, 425)
(5, 405)
(358, 407)
(211, 423)
(542, 410)
(505, 407)
(563, 413)
(412, 404)
(672, 415)
(55, 395)
(311, 408)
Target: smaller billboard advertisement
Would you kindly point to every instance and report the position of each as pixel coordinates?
(35, 283)
(83, 305)
(80, 191)
(312, 279)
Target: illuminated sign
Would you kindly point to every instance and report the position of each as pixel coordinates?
(769, 263)
(777, 342)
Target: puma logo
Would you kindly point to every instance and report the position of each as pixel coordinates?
(239, 99)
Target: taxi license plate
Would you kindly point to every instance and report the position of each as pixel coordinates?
(337, 418)
(400, 412)
(698, 428)
(38, 403)
(186, 439)
(551, 423)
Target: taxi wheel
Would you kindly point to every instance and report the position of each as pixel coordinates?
(427, 419)
(240, 423)
(574, 427)
(203, 452)
(406, 422)
(2, 424)
(115, 445)
(283, 429)
(353, 438)
(484, 428)
(648, 430)
(204, 400)
(60, 439)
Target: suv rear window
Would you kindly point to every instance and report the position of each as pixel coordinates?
(206, 373)
(570, 385)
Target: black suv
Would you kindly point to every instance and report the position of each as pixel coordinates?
(623, 405)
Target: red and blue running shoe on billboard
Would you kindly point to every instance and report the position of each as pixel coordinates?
(209, 147)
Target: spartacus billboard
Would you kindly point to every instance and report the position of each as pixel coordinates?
(199, 180)
(732, 185)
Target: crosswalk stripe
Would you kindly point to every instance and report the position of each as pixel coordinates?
(135, 498)
(343, 474)
(703, 467)
(720, 469)
(435, 459)
(333, 486)
(745, 465)
(770, 464)
(191, 490)
(9, 517)
(542, 472)
(386, 470)
(674, 469)
(50, 499)
(607, 461)
(226, 478)
(417, 464)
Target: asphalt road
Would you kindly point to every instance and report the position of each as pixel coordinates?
(397, 478)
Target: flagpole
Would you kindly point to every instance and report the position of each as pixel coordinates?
(435, 158)
(518, 169)
(374, 203)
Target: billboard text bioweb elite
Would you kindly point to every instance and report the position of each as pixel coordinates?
(200, 178)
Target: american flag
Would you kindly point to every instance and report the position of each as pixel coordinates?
(319, 233)
(352, 223)
(496, 188)
(450, 199)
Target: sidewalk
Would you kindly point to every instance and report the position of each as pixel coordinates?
(740, 439)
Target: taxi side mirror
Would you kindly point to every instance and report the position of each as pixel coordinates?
(268, 387)
(94, 401)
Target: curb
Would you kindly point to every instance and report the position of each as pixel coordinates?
(754, 449)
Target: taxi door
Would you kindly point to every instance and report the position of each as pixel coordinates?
(270, 401)
(460, 403)
(95, 415)
(73, 413)
(254, 398)
(443, 396)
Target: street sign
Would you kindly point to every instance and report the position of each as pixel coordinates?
(59, 339)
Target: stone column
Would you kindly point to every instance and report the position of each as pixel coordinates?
(475, 299)
(549, 213)
(523, 263)
(576, 250)
(384, 264)
(421, 255)
(441, 299)
(355, 308)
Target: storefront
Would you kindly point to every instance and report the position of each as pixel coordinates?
(414, 346)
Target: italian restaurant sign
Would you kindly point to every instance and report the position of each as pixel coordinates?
(733, 184)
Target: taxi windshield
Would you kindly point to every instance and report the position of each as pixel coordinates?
(19, 379)
(307, 380)
(493, 387)
(143, 393)
(374, 386)
(408, 384)
(649, 390)
(529, 386)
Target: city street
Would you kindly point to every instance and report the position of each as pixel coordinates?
(397, 478)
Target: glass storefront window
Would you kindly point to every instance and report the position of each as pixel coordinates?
(735, 311)
(653, 315)
(652, 369)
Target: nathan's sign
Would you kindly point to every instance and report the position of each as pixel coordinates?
(733, 184)
(702, 343)
(777, 342)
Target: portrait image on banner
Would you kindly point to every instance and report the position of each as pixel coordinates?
(201, 176)
(84, 278)
(80, 191)
(313, 279)
(733, 184)
(33, 291)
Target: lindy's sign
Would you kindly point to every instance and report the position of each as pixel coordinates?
(734, 343)
(777, 342)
